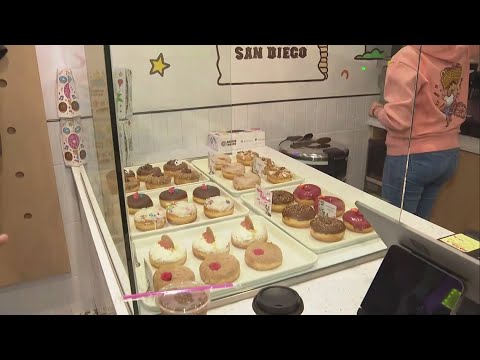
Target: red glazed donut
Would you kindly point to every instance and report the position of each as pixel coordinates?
(355, 221)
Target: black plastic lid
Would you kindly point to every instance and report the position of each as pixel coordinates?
(277, 300)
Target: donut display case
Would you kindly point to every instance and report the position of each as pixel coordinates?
(151, 201)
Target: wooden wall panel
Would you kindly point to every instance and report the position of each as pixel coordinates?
(29, 205)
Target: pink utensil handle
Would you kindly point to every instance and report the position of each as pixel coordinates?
(138, 296)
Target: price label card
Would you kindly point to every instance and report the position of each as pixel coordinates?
(462, 242)
(258, 165)
(263, 199)
(211, 162)
(326, 209)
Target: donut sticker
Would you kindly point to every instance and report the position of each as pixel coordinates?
(68, 156)
(75, 106)
(62, 79)
(74, 141)
(62, 107)
(78, 128)
(66, 130)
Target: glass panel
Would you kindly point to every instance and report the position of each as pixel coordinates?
(443, 174)
(311, 102)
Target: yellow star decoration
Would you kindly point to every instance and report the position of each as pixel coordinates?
(158, 65)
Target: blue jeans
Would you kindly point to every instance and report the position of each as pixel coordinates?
(427, 173)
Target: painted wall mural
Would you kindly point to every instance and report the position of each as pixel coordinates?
(273, 64)
(179, 77)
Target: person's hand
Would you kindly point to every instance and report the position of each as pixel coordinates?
(3, 238)
(373, 108)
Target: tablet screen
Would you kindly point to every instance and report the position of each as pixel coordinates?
(405, 284)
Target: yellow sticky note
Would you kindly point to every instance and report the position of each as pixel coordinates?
(462, 242)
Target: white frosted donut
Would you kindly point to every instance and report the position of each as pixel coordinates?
(242, 237)
(207, 244)
(170, 253)
(217, 206)
(220, 160)
(246, 181)
(230, 170)
(181, 212)
(150, 218)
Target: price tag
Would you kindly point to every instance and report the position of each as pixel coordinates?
(326, 209)
(211, 162)
(263, 199)
(258, 165)
(462, 242)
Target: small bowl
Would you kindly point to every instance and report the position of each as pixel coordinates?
(184, 303)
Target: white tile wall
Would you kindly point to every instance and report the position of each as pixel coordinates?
(183, 134)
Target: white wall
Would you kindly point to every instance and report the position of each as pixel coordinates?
(162, 136)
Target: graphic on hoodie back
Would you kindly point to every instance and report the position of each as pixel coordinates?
(451, 83)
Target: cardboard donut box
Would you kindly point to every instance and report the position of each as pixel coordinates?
(225, 141)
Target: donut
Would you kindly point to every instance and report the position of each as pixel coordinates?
(246, 157)
(326, 229)
(138, 201)
(355, 221)
(280, 200)
(172, 194)
(182, 212)
(219, 269)
(144, 171)
(165, 252)
(207, 244)
(128, 174)
(248, 231)
(279, 175)
(246, 181)
(263, 256)
(269, 166)
(305, 194)
(150, 218)
(230, 170)
(172, 166)
(168, 274)
(186, 176)
(157, 179)
(340, 205)
(220, 160)
(203, 192)
(298, 215)
(132, 185)
(217, 206)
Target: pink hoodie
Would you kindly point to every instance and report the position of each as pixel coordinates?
(440, 104)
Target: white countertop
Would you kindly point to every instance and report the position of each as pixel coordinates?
(343, 291)
(467, 143)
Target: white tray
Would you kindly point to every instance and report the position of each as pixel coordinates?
(239, 210)
(296, 258)
(203, 178)
(202, 165)
(303, 235)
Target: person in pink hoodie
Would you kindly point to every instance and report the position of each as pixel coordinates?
(429, 84)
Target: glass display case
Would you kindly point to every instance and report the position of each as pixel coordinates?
(189, 179)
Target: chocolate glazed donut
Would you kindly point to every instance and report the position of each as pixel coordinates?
(203, 192)
(327, 229)
(298, 216)
(170, 195)
(138, 201)
(281, 199)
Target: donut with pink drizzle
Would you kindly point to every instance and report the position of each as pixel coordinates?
(355, 221)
